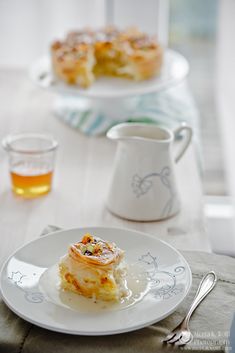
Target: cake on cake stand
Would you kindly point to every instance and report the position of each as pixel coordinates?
(109, 99)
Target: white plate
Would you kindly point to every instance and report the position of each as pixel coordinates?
(175, 68)
(169, 279)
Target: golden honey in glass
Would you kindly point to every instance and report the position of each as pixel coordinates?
(31, 184)
(31, 158)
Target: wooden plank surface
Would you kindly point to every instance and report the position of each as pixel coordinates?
(82, 174)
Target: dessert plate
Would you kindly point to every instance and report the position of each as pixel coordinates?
(175, 68)
(22, 284)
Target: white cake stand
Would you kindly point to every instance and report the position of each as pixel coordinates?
(115, 98)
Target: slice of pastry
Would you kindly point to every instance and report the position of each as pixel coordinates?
(73, 64)
(141, 55)
(94, 268)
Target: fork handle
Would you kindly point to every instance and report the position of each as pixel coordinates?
(206, 285)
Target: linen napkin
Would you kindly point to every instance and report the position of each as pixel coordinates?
(210, 323)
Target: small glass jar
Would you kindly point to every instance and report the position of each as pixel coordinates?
(31, 163)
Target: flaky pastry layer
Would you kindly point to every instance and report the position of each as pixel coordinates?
(94, 268)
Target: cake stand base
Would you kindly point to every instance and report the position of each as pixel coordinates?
(94, 116)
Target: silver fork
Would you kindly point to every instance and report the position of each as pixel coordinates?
(181, 334)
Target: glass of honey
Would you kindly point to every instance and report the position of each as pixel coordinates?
(31, 163)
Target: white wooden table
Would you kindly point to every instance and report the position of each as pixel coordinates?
(82, 174)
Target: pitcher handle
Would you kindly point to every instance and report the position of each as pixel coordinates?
(186, 139)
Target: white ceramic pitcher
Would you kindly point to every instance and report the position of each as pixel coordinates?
(143, 186)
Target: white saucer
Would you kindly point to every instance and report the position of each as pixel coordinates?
(175, 69)
(167, 271)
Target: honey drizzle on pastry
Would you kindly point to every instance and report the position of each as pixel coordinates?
(95, 250)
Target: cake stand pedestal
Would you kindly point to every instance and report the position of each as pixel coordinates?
(109, 99)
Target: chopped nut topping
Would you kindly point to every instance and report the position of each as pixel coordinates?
(88, 238)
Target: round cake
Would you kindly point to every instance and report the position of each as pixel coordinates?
(87, 54)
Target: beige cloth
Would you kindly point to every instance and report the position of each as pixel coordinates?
(210, 323)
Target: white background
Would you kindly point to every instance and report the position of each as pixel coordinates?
(27, 27)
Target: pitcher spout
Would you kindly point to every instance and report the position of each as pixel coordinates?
(118, 132)
(140, 131)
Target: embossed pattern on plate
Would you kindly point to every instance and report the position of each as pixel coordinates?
(166, 269)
